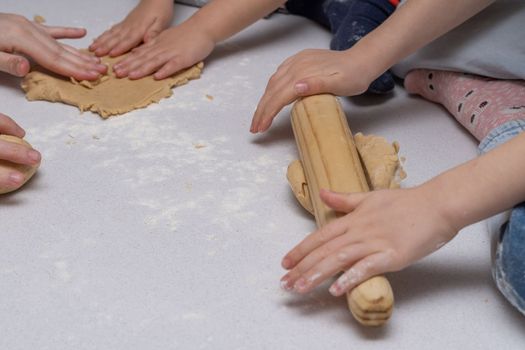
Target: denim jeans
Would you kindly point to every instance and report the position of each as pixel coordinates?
(508, 245)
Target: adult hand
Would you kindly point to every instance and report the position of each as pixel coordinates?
(20, 37)
(15, 153)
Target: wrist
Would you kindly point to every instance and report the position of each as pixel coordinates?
(450, 204)
(198, 23)
(360, 61)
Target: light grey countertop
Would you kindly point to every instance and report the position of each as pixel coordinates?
(132, 236)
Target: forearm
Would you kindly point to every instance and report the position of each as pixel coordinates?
(483, 186)
(221, 19)
(410, 27)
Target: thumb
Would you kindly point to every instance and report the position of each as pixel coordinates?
(342, 202)
(14, 64)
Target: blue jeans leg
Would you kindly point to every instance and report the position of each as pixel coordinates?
(508, 266)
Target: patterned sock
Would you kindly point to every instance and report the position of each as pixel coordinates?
(350, 20)
(480, 104)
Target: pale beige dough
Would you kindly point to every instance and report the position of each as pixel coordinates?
(107, 96)
(380, 162)
(6, 166)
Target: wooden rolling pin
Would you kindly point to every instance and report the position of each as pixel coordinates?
(330, 161)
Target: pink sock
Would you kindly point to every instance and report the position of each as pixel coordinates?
(480, 104)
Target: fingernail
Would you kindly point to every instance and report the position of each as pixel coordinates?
(285, 284)
(335, 290)
(16, 178)
(347, 279)
(34, 155)
(314, 277)
(286, 263)
(300, 285)
(301, 88)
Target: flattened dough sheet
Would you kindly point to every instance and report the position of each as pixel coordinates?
(109, 95)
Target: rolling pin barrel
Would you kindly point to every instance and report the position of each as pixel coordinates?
(331, 161)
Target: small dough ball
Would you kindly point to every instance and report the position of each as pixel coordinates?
(6, 166)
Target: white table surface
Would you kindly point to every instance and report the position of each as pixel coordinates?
(131, 237)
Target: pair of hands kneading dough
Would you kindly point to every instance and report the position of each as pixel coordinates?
(6, 166)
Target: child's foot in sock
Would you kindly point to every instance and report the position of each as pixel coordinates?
(480, 104)
(361, 17)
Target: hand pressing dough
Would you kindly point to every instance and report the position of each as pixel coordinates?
(6, 166)
(108, 95)
(380, 163)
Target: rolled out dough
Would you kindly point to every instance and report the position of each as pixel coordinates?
(6, 166)
(107, 96)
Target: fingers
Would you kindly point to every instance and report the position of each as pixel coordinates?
(124, 45)
(83, 55)
(322, 264)
(18, 153)
(144, 61)
(47, 52)
(312, 242)
(172, 66)
(63, 62)
(14, 64)
(101, 45)
(11, 179)
(116, 42)
(64, 32)
(344, 203)
(363, 270)
(124, 36)
(9, 127)
(278, 94)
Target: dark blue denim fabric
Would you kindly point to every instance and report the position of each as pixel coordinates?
(349, 21)
(508, 268)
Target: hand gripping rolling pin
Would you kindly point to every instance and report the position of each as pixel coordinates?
(330, 161)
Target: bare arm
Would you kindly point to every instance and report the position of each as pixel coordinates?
(483, 186)
(193, 40)
(350, 72)
(221, 19)
(412, 26)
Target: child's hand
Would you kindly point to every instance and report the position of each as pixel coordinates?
(18, 36)
(174, 49)
(14, 153)
(310, 72)
(383, 231)
(145, 22)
